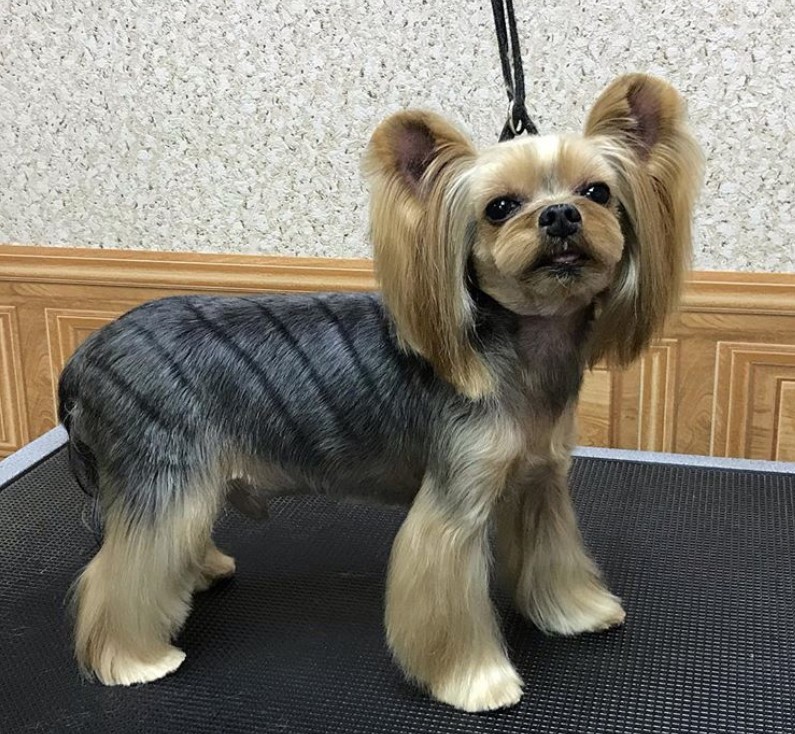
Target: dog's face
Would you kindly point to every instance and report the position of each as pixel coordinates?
(544, 225)
(547, 231)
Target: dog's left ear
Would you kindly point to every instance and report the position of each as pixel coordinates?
(638, 123)
(420, 226)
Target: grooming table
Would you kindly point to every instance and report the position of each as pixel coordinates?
(700, 551)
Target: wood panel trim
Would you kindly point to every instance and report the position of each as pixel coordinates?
(741, 369)
(182, 271)
(740, 293)
(13, 414)
(657, 400)
(710, 292)
(784, 431)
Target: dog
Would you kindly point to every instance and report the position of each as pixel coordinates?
(505, 273)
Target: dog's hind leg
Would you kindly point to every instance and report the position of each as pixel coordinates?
(215, 567)
(135, 594)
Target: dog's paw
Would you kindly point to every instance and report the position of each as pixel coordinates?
(485, 688)
(587, 608)
(122, 669)
(216, 566)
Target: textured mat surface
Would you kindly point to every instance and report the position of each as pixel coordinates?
(703, 559)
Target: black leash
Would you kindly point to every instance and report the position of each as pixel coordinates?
(519, 120)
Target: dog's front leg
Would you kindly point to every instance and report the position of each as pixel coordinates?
(439, 618)
(542, 557)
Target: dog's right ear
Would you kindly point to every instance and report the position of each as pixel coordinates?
(420, 215)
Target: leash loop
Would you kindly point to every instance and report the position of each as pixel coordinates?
(519, 120)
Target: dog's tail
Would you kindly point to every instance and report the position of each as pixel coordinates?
(82, 460)
(67, 392)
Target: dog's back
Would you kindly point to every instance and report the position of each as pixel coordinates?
(300, 387)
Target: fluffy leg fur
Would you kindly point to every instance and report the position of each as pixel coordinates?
(135, 594)
(440, 622)
(215, 566)
(543, 560)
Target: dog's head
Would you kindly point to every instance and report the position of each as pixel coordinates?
(544, 225)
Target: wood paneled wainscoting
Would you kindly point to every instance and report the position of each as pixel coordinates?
(720, 381)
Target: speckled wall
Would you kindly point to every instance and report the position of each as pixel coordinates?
(238, 126)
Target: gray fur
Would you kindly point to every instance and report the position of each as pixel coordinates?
(314, 386)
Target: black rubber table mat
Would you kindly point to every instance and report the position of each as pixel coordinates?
(703, 559)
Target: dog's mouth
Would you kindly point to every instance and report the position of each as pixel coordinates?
(565, 257)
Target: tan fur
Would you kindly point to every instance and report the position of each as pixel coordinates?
(135, 594)
(659, 174)
(427, 220)
(439, 618)
(504, 253)
(418, 242)
(541, 556)
(215, 566)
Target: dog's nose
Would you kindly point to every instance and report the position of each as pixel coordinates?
(560, 220)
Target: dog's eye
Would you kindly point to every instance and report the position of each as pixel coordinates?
(599, 192)
(500, 209)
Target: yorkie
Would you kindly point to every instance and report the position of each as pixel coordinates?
(505, 274)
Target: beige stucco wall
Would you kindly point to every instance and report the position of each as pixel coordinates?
(238, 126)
